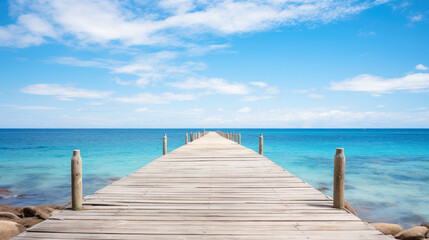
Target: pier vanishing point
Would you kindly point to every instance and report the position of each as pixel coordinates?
(210, 188)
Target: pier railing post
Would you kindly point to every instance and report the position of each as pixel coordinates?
(261, 144)
(164, 149)
(76, 178)
(239, 138)
(339, 174)
(186, 138)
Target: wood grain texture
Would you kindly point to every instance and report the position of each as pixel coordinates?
(211, 188)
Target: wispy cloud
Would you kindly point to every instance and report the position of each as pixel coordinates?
(245, 110)
(147, 68)
(142, 109)
(161, 98)
(23, 107)
(377, 85)
(416, 18)
(65, 93)
(311, 93)
(315, 95)
(421, 67)
(255, 98)
(217, 85)
(163, 22)
(259, 84)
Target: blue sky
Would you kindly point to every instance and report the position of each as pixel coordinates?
(185, 63)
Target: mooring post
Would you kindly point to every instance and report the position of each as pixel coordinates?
(191, 137)
(239, 138)
(186, 138)
(165, 145)
(76, 178)
(261, 144)
(339, 174)
(234, 137)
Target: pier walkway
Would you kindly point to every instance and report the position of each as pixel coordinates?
(211, 188)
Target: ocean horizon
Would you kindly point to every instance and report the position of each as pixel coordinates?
(380, 163)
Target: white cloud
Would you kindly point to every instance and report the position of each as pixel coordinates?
(150, 67)
(30, 29)
(142, 109)
(196, 50)
(310, 93)
(377, 85)
(162, 98)
(259, 84)
(421, 67)
(94, 103)
(255, 98)
(245, 110)
(65, 93)
(100, 63)
(303, 91)
(166, 22)
(22, 107)
(416, 18)
(217, 85)
(271, 90)
(314, 95)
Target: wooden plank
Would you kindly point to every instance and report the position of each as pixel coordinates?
(211, 188)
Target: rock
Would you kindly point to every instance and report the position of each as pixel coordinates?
(42, 215)
(388, 228)
(323, 188)
(349, 207)
(29, 211)
(15, 210)
(39, 212)
(9, 216)
(9, 229)
(5, 192)
(29, 222)
(425, 224)
(414, 233)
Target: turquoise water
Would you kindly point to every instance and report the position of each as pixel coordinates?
(387, 170)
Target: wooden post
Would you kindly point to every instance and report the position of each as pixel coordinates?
(239, 138)
(76, 178)
(339, 174)
(186, 138)
(261, 144)
(192, 139)
(234, 137)
(165, 145)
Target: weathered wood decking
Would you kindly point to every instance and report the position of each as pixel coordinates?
(211, 188)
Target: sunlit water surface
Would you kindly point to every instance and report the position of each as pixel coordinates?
(387, 170)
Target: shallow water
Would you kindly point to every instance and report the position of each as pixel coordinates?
(386, 169)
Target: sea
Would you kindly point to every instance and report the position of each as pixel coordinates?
(387, 170)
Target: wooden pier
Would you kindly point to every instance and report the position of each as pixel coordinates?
(210, 188)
